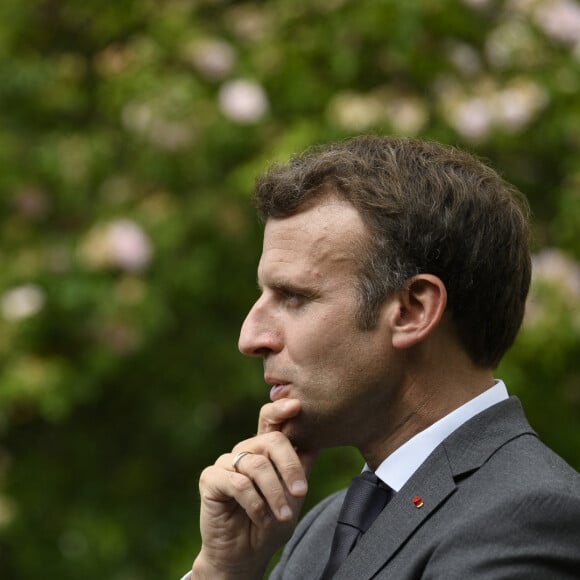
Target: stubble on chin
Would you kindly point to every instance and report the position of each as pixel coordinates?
(295, 432)
(305, 434)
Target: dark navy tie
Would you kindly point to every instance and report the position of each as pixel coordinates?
(365, 499)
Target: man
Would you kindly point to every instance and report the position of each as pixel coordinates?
(393, 279)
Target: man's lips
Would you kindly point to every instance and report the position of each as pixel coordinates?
(279, 389)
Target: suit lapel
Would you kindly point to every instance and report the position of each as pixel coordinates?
(463, 452)
(430, 487)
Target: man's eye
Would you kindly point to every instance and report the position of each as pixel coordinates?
(293, 299)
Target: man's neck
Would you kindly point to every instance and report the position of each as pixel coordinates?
(423, 404)
(400, 466)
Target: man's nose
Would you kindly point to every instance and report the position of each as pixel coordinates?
(259, 335)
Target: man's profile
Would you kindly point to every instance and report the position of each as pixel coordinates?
(393, 278)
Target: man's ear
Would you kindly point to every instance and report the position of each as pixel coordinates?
(420, 308)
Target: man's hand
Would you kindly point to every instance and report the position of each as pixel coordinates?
(247, 513)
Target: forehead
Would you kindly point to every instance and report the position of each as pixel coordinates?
(323, 239)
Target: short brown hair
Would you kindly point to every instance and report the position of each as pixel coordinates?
(429, 208)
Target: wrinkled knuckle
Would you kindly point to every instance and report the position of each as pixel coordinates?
(241, 483)
(259, 463)
(205, 475)
(292, 466)
(223, 457)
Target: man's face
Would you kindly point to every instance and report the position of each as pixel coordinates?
(304, 327)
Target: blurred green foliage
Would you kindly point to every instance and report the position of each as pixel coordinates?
(130, 135)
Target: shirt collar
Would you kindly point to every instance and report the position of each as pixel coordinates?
(398, 467)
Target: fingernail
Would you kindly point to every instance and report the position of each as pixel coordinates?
(299, 487)
(285, 513)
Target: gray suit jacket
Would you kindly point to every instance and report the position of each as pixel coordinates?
(497, 503)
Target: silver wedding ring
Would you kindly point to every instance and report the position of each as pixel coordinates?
(238, 458)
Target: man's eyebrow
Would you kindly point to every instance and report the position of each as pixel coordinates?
(287, 285)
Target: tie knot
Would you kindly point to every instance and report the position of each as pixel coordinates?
(366, 497)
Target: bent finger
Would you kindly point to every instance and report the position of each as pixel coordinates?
(278, 451)
(218, 488)
(263, 474)
(274, 415)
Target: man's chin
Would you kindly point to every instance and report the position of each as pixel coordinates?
(296, 435)
(302, 436)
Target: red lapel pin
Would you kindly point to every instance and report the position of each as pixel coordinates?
(418, 502)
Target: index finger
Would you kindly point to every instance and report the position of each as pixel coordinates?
(272, 418)
(274, 415)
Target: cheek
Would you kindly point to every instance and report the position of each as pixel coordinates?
(322, 332)
(334, 342)
(327, 340)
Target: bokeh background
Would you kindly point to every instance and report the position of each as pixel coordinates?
(131, 132)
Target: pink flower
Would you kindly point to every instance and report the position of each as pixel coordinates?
(243, 101)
